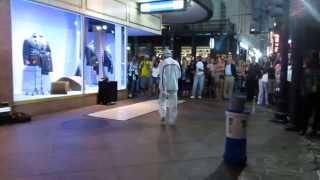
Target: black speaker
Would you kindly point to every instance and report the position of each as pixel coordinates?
(107, 93)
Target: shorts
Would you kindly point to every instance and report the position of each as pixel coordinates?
(155, 80)
(145, 82)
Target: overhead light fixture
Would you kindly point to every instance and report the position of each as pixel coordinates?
(98, 28)
(104, 27)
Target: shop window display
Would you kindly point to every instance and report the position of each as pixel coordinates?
(99, 53)
(46, 51)
(104, 54)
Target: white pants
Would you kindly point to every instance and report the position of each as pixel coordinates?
(169, 106)
(31, 84)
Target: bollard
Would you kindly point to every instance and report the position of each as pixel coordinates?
(235, 153)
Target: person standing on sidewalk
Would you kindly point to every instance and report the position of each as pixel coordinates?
(219, 77)
(198, 80)
(230, 76)
(133, 76)
(253, 75)
(155, 77)
(145, 75)
(169, 74)
(211, 82)
(263, 97)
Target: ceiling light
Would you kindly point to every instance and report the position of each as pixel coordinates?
(98, 28)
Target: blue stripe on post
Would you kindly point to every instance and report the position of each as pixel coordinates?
(235, 152)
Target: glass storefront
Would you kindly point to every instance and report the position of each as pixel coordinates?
(58, 53)
(99, 53)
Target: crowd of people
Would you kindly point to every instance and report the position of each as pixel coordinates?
(212, 77)
(221, 76)
(209, 77)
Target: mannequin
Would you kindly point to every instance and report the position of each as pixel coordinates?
(91, 62)
(38, 65)
(45, 55)
(90, 55)
(45, 64)
(31, 51)
(107, 62)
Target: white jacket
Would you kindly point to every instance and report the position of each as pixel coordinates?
(169, 74)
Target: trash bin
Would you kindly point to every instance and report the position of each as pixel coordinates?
(236, 141)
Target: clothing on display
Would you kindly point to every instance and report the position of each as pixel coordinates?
(90, 55)
(31, 80)
(38, 64)
(93, 58)
(37, 52)
(91, 62)
(107, 61)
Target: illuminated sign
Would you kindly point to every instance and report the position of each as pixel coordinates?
(162, 6)
(275, 42)
(5, 109)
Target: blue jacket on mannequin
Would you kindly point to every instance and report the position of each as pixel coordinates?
(37, 52)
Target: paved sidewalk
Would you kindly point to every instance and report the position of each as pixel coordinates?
(277, 154)
(72, 146)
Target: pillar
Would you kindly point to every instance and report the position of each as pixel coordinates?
(284, 50)
(6, 83)
(297, 71)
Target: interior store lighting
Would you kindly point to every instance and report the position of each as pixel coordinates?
(98, 28)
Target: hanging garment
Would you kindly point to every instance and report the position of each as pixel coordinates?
(90, 56)
(45, 57)
(31, 53)
(107, 61)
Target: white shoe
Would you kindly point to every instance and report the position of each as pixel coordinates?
(199, 97)
(192, 97)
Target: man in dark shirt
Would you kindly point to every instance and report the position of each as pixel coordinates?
(254, 72)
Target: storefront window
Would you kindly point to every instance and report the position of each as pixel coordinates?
(46, 51)
(104, 54)
(99, 53)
